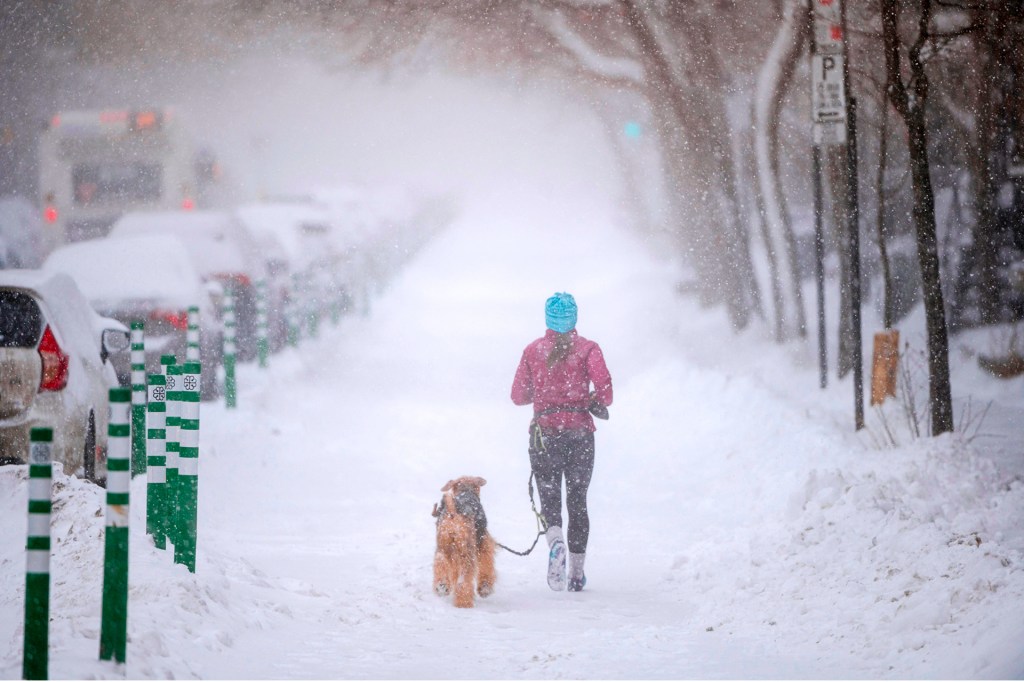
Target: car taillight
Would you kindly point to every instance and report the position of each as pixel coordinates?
(239, 278)
(177, 319)
(55, 363)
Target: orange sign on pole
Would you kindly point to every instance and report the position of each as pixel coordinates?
(884, 365)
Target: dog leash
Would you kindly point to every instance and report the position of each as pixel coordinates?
(542, 525)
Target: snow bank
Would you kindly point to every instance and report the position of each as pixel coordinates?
(175, 620)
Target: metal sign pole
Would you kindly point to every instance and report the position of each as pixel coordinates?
(819, 265)
(854, 236)
(828, 115)
(834, 114)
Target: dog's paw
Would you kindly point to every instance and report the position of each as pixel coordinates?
(485, 589)
(442, 589)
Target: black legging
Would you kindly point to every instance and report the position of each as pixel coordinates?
(569, 454)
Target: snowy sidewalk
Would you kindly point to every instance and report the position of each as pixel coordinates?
(739, 528)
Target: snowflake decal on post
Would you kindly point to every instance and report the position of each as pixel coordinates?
(159, 393)
(190, 383)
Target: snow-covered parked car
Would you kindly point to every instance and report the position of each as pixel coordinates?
(55, 370)
(149, 278)
(222, 250)
(295, 236)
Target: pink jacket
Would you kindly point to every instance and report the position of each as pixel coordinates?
(566, 384)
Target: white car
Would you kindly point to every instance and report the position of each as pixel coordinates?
(222, 250)
(150, 278)
(55, 370)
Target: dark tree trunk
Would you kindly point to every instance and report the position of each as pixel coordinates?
(883, 246)
(928, 257)
(910, 102)
(985, 244)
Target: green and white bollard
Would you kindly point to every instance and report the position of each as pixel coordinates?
(114, 623)
(337, 301)
(171, 447)
(230, 385)
(138, 360)
(192, 336)
(263, 340)
(188, 466)
(167, 361)
(295, 306)
(156, 475)
(313, 308)
(35, 662)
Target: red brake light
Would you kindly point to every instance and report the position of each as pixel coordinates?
(239, 278)
(177, 319)
(50, 214)
(55, 363)
(187, 204)
(145, 119)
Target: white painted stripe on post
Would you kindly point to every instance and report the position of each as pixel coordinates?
(189, 438)
(119, 481)
(39, 525)
(39, 488)
(37, 561)
(119, 415)
(156, 474)
(119, 447)
(188, 466)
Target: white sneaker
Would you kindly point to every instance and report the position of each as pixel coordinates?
(556, 566)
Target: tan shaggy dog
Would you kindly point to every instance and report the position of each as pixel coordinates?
(465, 550)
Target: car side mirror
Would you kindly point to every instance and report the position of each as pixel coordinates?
(113, 341)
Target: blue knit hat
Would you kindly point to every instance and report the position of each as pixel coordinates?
(560, 313)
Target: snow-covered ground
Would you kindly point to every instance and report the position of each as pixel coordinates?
(740, 528)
